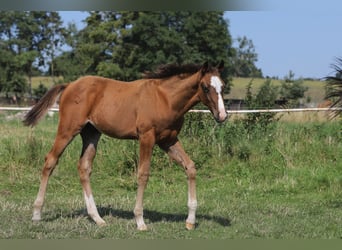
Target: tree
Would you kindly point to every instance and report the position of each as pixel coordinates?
(91, 48)
(207, 38)
(13, 59)
(245, 58)
(69, 63)
(123, 45)
(28, 38)
(52, 36)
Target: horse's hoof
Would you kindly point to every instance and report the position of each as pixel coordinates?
(142, 228)
(36, 218)
(101, 223)
(190, 226)
(35, 221)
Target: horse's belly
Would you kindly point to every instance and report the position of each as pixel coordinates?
(119, 127)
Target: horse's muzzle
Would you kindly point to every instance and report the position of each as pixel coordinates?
(221, 117)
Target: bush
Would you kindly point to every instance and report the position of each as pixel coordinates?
(264, 99)
(40, 91)
(292, 89)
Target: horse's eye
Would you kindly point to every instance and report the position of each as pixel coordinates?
(205, 89)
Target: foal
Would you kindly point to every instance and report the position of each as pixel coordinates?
(150, 110)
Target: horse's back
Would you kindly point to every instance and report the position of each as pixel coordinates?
(92, 89)
(109, 105)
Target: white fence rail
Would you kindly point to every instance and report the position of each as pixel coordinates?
(23, 109)
(248, 111)
(207, 111)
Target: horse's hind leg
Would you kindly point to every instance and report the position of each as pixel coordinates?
(90, 137)
(177, 153)
(51, 160)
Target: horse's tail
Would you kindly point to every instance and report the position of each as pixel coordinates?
(42, 106)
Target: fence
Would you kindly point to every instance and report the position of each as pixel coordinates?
(285, 110)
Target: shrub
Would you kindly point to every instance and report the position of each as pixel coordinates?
(264, 99)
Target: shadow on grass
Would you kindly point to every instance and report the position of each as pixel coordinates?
(152, 216)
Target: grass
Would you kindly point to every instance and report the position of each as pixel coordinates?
(279, 182)
(315, 93)
(47, 81)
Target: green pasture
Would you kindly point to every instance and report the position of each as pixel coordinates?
(314, 94)
(282, 181)
(47, 81)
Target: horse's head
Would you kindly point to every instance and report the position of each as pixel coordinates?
(211, 90)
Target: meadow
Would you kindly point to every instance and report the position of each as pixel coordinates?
(280, 181)
(314, 95)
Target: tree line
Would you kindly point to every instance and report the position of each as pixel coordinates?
(115, 44)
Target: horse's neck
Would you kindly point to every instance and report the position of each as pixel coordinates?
(182, 93)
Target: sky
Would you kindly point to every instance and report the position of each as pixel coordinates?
(302, 36)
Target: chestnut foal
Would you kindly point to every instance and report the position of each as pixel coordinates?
(150, 110)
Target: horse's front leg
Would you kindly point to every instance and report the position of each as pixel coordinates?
(146, 142)
(177, 153)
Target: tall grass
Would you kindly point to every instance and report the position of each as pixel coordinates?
(283, 180)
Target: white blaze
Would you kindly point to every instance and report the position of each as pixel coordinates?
(216, 83)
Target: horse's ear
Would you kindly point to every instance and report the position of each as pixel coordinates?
(205, 68)
(220, 66)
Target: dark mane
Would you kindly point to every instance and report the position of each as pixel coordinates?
(169, 70)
